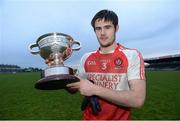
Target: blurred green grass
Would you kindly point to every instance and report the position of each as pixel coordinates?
(19, 100)
(163, 96)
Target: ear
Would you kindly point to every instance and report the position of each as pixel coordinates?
(117, 28)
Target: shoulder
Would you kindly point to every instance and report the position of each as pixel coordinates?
(88, 54)
(85, 57)
(131, 53)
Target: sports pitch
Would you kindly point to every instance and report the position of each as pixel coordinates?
(19, 100)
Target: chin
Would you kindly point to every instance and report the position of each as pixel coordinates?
(105, 44)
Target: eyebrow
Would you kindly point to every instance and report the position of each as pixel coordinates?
(106, 26)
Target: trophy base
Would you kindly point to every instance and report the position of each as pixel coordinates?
(55, 82)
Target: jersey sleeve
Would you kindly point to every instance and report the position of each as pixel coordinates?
(80, 70)
(136, 66)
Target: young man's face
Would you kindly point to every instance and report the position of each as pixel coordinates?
(105, 32)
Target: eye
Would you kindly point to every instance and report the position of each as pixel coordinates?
(97, 28)
(108, 26)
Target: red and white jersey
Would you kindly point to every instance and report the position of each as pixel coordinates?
(112, 71)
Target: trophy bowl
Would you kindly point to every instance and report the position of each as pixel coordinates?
(55, 46)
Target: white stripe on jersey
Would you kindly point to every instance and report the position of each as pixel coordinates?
(134, 64)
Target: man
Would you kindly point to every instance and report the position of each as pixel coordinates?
(117, 73)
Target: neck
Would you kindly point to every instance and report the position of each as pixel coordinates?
(109, 49)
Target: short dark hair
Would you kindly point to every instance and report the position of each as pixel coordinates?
(107, 15)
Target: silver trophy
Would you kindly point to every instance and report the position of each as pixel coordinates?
(55, 46)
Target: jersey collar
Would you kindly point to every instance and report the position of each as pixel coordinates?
(118, 47)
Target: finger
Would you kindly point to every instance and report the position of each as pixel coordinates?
(73, 85)
(71, 90)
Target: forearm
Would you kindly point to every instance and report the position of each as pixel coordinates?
(127, 98)
(130, 98)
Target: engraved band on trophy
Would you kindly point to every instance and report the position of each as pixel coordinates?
(55, 45)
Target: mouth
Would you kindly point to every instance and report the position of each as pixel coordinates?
(103, 38)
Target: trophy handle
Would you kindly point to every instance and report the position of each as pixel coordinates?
(32, 46)
(76, 48)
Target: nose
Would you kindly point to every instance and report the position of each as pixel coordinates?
(102, 31)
